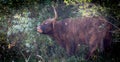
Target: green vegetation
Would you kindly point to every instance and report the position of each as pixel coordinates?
(20, 41)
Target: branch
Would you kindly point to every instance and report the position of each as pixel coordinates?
(23, 55)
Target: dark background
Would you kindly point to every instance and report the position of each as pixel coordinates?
(8, 9)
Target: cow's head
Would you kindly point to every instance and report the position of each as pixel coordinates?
(47, 26)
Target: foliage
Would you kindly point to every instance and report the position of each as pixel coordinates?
(18, 21)
(87, 9)
(68, 2)
(91, 10)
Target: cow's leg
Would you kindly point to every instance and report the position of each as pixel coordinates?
(101, 46)
(68, 50)
(92, 45)
(91, 51)
(107, 42)
(71, 49)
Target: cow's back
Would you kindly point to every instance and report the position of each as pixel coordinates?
(90, 31)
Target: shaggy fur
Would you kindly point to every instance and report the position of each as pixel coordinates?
(69, 33)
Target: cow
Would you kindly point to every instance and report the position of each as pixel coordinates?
(70, 33)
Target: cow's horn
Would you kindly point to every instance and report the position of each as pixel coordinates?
(55, 13)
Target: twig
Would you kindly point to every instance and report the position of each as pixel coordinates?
(26, 59)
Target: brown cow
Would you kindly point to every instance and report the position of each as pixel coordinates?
(72, 32)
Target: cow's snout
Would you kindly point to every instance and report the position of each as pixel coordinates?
(39, 29)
